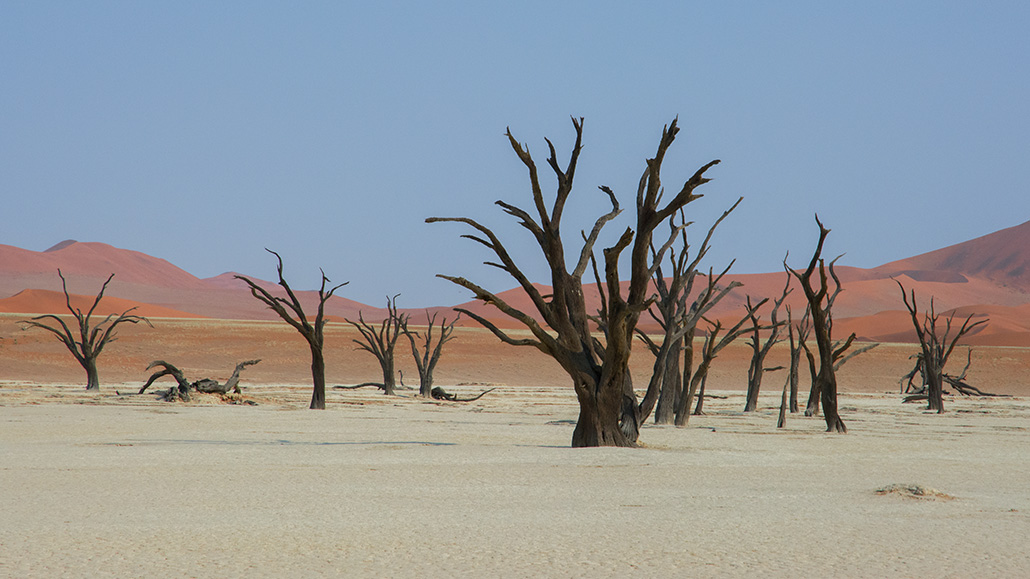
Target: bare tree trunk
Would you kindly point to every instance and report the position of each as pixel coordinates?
(672, 386)
(317, 378)
(92, 375)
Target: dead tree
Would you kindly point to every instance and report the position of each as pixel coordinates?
(381, 340)
(204, 385)
(935, 347)
(796, 346)
(760, 349)
(92, 338)
(678, 319)
(820, 302)
(712, 346)
(292, 313)
(609, 412)
(427, 359)
(438, 393)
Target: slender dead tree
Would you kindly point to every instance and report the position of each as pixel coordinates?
(92, 338)
(292, 313)
(678, 318)
(609, 412)
(427, 359)
(760, 349)
(819, 302)
(712, 346)
(802, 328)
(935, 346)
(381, 340)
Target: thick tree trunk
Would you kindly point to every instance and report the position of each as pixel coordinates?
(318, 377)
(425, 384)
(672, 387)
(753, 386)
(935, 391)
(828, 393)
(92, 376)
(389, 381)
(599, 417)
(598, 425)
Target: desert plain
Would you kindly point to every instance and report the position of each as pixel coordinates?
(116, 484)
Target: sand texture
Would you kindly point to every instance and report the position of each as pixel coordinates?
(124, 486)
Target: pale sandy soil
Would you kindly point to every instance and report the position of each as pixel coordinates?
(121, 485)
(124, 486)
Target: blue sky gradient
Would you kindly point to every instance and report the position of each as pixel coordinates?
(202, 132)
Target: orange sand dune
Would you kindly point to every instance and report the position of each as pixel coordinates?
(51, 302)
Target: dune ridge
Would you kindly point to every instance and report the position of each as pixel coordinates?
(989, 275)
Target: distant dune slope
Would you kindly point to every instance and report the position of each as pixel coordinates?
(988, 275)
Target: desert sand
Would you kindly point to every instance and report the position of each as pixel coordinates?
(122, 485)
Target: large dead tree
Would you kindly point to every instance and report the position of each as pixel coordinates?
(820, 302)
(291, 311)
(380, 341)
(432, 347)
(609, 413)
(205, 385)
(935, 346)
(91, 339)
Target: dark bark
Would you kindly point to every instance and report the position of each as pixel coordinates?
(204, 385)
(609, 412)
(796, 347)
(441, 394)
(92, 338)
(935, 346)
(291, 312)
(381, 341)
(820, 303)
(760, 349)
(432, 347)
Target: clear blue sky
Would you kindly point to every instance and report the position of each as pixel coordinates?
(202, 132)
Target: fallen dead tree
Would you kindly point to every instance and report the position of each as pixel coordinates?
(440, 394)
(205, 385)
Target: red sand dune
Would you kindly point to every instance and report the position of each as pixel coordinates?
(50, 302)
(989, 275)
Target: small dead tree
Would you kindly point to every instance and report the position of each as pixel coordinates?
(760, 349)
(803, 328)
(712, 346)
(820, 302)
(935, 346)
(204, 385)
(92, 338)
(380, 341)
(609, 412)
(291, 312)
(427, 359)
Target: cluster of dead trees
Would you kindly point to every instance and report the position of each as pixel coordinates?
(593, 347)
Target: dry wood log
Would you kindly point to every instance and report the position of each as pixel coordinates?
(440, 394)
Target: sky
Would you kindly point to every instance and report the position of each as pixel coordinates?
(203, 132)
